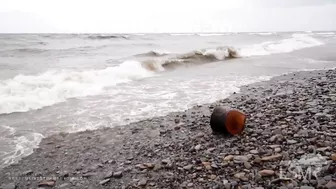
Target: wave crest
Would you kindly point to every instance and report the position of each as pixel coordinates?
(153, 53)
(30, 92)
(108, 37)
(195, 57)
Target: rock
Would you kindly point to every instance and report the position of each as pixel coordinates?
(225, 181)
(162, 132)
(197, 147)
(184, 184)
(207, 165)
(141, 166)
(152, 184)
(328, 178)
(247, 165)
(321, 183)
(8, 186)
(291, 141)
(165, 161)
(331, 185)
(87, 175)
(333, 157)
(274, 146)
(227, 186)
(64, 185)
(277, 150)
(323, 149)
(247, 186)
(211, 150)
(257, 160)
(273, 138)
(306, 187)
(118, 174)
(213, 165)
(103, 182)
(149, 165)
(303, 133)
(157, 167)
(290, 186)
(213, 177)
(254, 152)
(239, 175)
(266, 173)
(199, 168)
(240, 159)
(271, 158)
(234, 183)
(190, 185)
(142, 182)
(128, 162)
(188, 167)
(229, 158)
(108, 175)
(47, 183)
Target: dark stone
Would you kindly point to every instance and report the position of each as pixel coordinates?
(103, 182)
(47, 183)
(306, 187)
(142, 182)
(108, 175)
(118, 174)
(86, 175)
(188, 167)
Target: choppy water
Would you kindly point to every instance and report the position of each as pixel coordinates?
(51, 83)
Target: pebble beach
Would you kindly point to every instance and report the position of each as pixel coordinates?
(289, 142)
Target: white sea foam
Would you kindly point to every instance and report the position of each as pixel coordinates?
(296, 42)
(6, 130)
(211, 34)
(27, 92)
(262, 33)
(325, 33)
(22, 146)
(181, 34)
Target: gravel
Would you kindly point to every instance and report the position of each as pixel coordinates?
(288, 119)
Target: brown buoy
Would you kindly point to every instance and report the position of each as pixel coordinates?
(227, 121)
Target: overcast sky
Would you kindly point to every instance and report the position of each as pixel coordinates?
(110, 16)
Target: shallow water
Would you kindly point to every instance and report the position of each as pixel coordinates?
(53, 83)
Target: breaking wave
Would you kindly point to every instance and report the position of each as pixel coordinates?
(325, 33)
(181, 34)
(108, 37)
(30, 92)
(296, 42)
(153, 53)
(262, 33)
(212, 34)
(192, 58)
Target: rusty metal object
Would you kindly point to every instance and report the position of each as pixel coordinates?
(227, 121)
